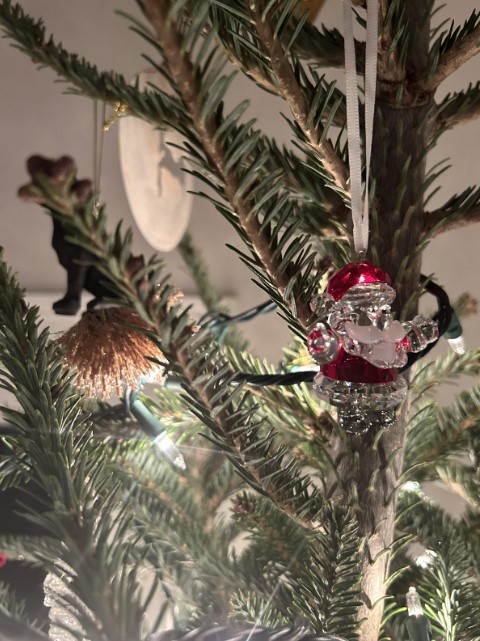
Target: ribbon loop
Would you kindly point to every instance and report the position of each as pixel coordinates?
(360, 207)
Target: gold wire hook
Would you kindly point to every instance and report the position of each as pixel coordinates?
(119, 110)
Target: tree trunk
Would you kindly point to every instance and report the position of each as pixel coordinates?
(400, 140)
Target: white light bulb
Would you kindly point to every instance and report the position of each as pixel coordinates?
(457, 344)
(164, 446)
(414, 605)
(410, 486)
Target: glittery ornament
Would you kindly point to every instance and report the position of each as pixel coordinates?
(360, 347)
(108, 354)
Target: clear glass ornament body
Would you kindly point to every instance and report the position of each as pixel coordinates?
(360, 347)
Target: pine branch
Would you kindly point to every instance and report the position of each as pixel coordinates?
(327, 588)
(321, 47)
(248, 606)
(156, 107)
(308, 430)
(439, 222)
(30, 37)
(419, 516)
(72, 471)
(431, 526)
(252, 175)
(393, 50)
(236, 426)
(322, 212)
(293, 94)
(12, 629)
(453, 49)
(462, 480)
(438, 433)
(443, 370)
(234, 34)
(180, 532)
(34, 550)
(188, 84)
(456, 109)
(449, 579)
(459, 211)
(14, 622)
(269, 527)
(318, 573)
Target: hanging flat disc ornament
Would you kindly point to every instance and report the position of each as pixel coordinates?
(156, 187)
(360, 347)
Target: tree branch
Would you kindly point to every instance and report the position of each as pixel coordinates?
(460, 52)
(340, 117)
(182, 71)
(293, 94)
(322, 47)
(458, 109)
(191, 355)
(158, 109)
(439, 221)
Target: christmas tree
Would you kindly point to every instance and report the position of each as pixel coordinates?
(232, 501)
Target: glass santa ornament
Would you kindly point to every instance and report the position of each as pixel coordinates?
(360, 347)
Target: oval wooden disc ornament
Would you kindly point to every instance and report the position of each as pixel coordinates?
(156, 186)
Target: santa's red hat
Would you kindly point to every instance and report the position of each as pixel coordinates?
(352, 274)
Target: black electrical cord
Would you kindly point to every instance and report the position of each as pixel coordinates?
(445, 317)
(289, 378)
(218, 322)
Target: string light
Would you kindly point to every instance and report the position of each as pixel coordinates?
(166, 448)
(163, 445)
(454, 335)
(418, 626)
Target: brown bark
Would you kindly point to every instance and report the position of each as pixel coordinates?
(451, 116)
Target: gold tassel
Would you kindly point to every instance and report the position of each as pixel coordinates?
(109, 356)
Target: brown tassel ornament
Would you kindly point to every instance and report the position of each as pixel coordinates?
(107, 355)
